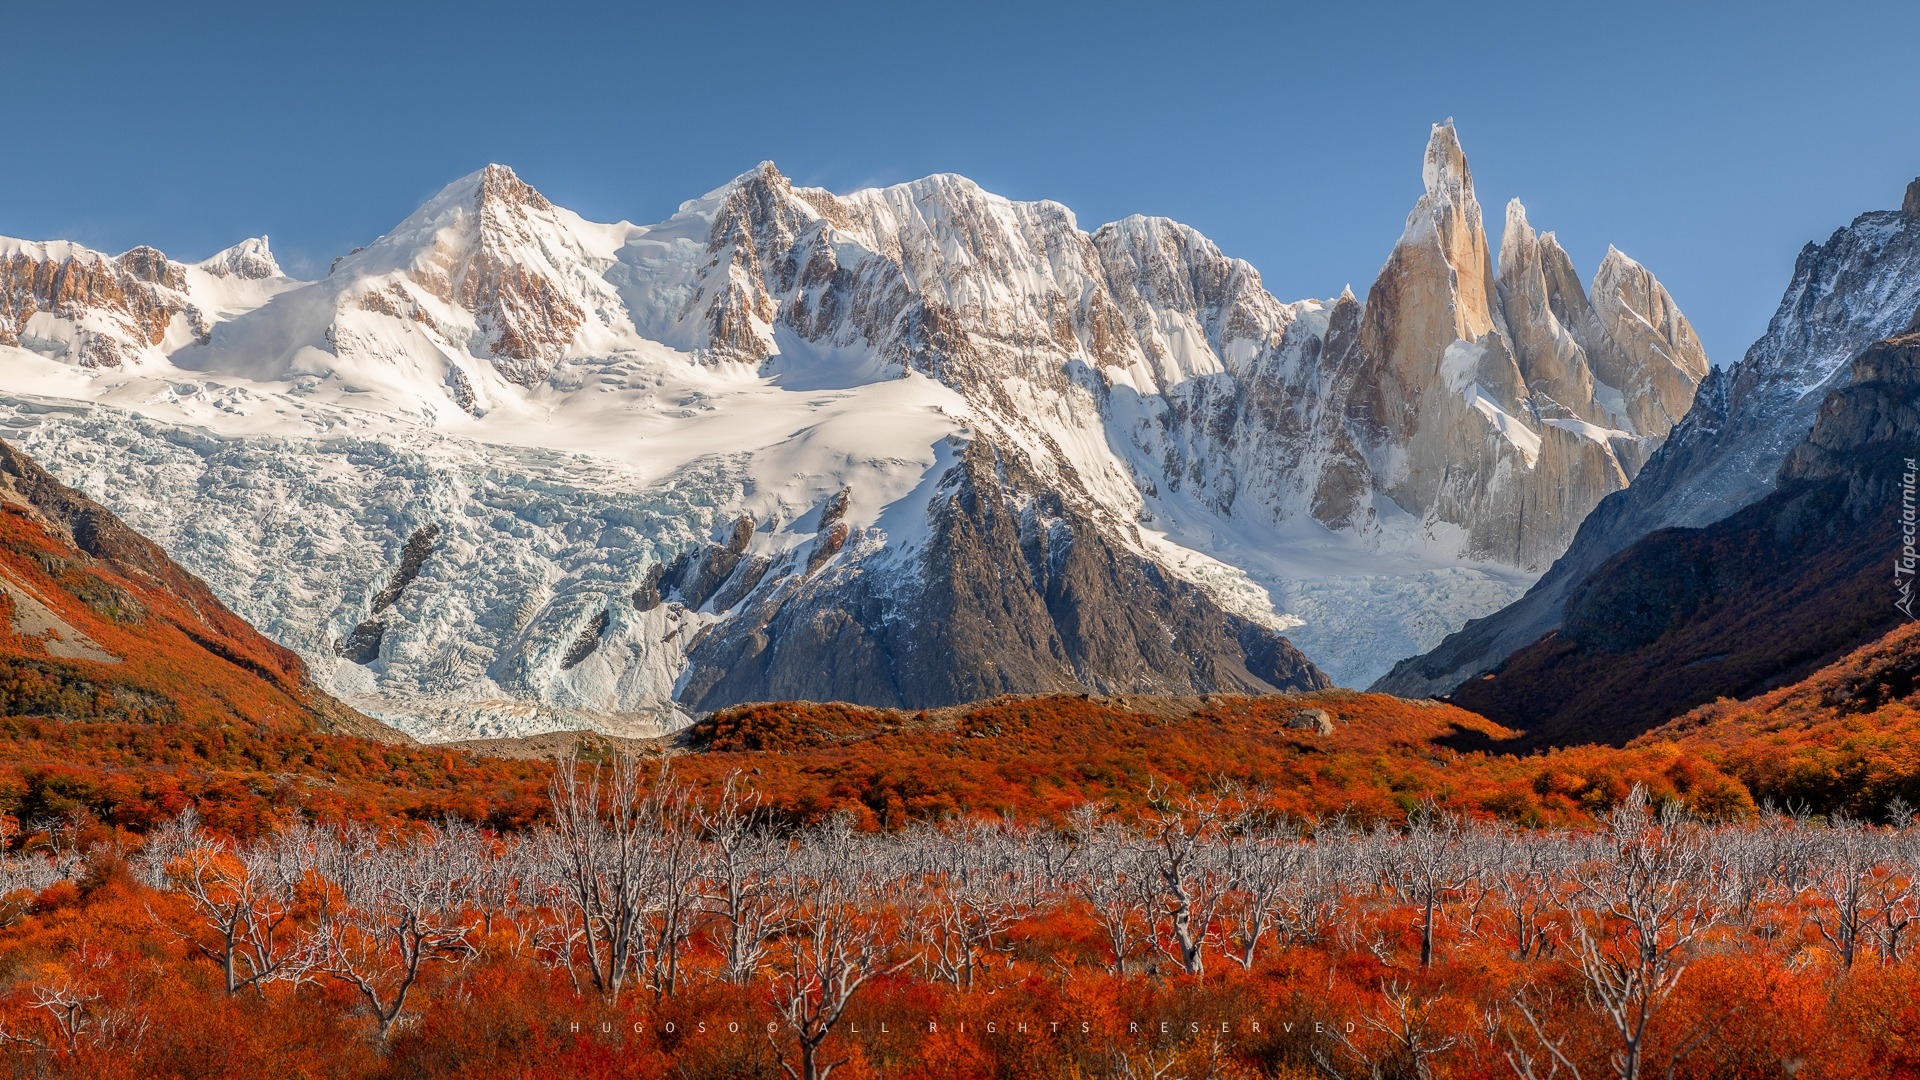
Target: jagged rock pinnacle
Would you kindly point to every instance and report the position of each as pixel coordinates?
(1446, 162)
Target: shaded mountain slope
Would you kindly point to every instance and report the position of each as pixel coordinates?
(1751, 602)
(1845, 738)
(1016, 591)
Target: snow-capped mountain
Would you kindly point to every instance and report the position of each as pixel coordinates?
(88, 308)
(1859, 287)
(506, 468)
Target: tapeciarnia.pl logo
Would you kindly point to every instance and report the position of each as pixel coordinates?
(1903, 567)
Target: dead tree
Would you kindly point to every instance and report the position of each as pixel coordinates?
(834, 944)
(1434, 863)
(1189, 880)
(388, 911)
(1403, 1028)
(1527, 873)
(600, 853)
(677, 858)
(1853, 873)
(1112, 875)
(244, 899)
(741, 890)
(1647, 891)
(970, 891)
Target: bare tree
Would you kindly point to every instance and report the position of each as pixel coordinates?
(834, 945)
(600, 854)
(1263, 856)
(1112, 877)
(677, 858)
(1648, 890)
(389, 910)
(1527, 872)
(1190, 879)
(1434, 862)
(740, 890)
(971, 891)
(244, 898)
(1403, 1028)
(1853, 874)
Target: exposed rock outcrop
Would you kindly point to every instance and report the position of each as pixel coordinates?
(1013, 593)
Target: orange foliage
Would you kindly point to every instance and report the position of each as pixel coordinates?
(1846, 738)
(1036, 758)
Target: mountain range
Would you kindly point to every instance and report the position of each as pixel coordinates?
(504, 469)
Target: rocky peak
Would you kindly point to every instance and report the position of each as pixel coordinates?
(248, 260)
(1444, 171)
(1446, 225)
(1655, 360)
(500, 191)
(107, 311)
(1510, 405)
(753, 257)
(1532, 286)
(149, 265)
(1875, 419)
(1910, 206)
(490, 253)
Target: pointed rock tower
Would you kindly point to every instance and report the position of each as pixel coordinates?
(1508, 406)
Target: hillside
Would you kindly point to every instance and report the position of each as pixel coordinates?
(127, 691)
(1746, 604)
(1847, 737)
(96, 622)
(1034, 758)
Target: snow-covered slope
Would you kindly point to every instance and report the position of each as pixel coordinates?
(505, 469)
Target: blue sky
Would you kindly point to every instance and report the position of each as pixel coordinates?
(1708, 142)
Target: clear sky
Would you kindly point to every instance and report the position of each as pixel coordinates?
(1707, 141)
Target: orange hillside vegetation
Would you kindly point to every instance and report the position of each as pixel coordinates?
(128, 690)
(1845, 738)
(1038, 757)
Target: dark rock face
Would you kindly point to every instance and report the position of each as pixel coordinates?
(1015, 593)
(647, 596)
(362, 645)
(1861, 286)
(702, 575)
(587, 640)
(1756, 600)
